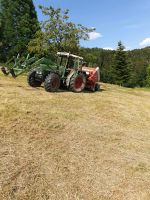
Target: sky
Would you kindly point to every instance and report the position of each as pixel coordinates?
(114, 20)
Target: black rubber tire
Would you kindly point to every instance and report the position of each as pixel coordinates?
(77, 86)
(31, 79)
(97, 87)
(52, 82)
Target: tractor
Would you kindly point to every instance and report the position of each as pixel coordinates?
(69, 71)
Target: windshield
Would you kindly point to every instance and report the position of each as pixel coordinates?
(70, 62)
(62, 61)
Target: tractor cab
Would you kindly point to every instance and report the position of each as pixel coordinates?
(67, 62)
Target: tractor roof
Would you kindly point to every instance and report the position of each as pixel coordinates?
(68, 55)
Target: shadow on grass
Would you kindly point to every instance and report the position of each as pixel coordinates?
(84, 91)
(60, 90)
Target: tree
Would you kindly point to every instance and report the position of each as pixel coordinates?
(18, 25)
(121, 69)
(148, 76)
(137, 59)
(57, 33)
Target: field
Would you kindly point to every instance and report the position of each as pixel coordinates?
(68, 146)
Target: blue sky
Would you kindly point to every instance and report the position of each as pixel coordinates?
(114, 20)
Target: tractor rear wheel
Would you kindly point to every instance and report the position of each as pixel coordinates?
(77, 83)
(52, 82)
(31, 79)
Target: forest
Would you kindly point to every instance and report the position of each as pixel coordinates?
(139, 60)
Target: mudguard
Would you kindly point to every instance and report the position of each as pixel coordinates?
(69, 77)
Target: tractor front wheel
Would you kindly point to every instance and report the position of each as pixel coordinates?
(77, 83)
(97, 87)
(52, 82)
(31, 79)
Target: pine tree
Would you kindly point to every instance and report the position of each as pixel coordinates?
(18, 25)
(121, 69)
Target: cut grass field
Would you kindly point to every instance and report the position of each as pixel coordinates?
(68, 146)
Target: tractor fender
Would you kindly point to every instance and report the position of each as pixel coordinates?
(98, 74)
(69, 77)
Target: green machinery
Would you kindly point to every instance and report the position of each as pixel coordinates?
(68, 71)
(17, 66)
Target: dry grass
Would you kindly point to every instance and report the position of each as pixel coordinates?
(67, 146)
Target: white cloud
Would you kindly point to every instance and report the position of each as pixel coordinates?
(94, 35)
(108, 48)
(145, 42)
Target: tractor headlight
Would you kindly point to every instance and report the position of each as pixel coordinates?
(39, 72)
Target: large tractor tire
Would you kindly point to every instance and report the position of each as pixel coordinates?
(77, 83)
(52, 82)
(31, 79)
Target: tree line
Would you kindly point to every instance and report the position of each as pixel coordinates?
(21, 32)
(114, 62)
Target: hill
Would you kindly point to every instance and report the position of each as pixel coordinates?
(89, 146)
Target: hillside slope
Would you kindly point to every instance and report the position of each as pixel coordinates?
(68, 146)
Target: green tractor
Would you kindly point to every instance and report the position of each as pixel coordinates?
(67, 72)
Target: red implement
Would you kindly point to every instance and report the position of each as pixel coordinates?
(93, 76)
